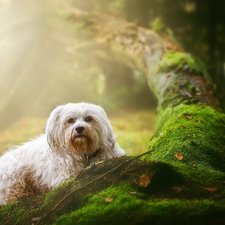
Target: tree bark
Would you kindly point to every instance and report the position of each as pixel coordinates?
(182, 180)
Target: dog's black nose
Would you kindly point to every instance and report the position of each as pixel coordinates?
(79, 129)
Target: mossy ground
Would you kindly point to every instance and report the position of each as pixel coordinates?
(127, 208)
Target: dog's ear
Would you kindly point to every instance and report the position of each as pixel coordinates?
(112, 147)
(53, 127)
(108, 135)
(110, 139)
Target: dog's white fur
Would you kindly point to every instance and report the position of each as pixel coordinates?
(61, 153)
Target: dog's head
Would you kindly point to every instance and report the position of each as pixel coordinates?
(80, 128)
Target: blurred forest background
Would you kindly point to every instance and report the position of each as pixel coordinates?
(47, 60)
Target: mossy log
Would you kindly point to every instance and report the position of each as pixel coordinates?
(185, 173)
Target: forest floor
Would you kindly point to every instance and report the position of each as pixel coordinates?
(132, 128)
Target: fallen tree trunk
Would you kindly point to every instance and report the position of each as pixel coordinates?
(181, 181)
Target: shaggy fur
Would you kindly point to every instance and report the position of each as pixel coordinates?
(75, 136)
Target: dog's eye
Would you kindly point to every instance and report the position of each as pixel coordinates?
(88, 119)
(71, 120)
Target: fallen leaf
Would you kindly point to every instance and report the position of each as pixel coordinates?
(211, 189)
(144, 181)
(132, 193)
(36, 219)
(187, 116)
(216, 196)
(165, 199)
(108, 199)
(179, 156)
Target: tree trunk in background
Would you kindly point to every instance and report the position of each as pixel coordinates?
(182, 180)
(189, 121)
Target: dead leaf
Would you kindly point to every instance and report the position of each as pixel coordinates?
(211, 189)
(108, 199)
(144, 181)
(179, 156)
(36, 219)
(216, 196)
(132, 193)
(165, 199)
(187, 116)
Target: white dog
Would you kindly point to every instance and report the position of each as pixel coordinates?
(75, 136)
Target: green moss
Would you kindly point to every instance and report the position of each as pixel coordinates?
(197, 132)
(179, 60)
(132, 209)
(53, 195)
(7, 209)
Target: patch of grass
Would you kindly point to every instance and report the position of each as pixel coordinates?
(20, 132)
(133, 130)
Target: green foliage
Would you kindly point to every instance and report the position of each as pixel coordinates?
(116, 7)
(158, 25)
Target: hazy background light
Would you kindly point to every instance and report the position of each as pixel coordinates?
(47, 61)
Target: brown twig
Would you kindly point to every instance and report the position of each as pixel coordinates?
(125, 170)
(73, 191)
